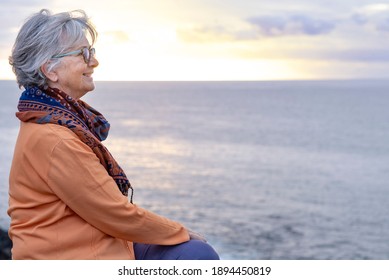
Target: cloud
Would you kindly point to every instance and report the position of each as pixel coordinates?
(374, 16)
(360, 55)
(258, 27)
(350, 55)
(272, 26)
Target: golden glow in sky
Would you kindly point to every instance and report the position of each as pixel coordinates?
(225, 40)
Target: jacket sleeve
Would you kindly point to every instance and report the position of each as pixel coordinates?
(82, 183)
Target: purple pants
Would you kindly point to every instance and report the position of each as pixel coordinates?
(190, 250)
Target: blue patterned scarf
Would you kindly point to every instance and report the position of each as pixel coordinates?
(52, 105)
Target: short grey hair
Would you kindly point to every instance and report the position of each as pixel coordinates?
(43, 36)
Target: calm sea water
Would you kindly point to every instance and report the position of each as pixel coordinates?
(265, 170)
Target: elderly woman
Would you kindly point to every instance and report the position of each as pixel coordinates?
(68, 197)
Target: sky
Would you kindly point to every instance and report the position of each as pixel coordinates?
(223, 39)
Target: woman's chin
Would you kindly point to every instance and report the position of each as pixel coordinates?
(89, 84)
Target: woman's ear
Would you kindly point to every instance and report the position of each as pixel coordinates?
(50, 75)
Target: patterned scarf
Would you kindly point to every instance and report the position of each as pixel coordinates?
(52, 105)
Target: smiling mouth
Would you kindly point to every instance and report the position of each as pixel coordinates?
(89, 75)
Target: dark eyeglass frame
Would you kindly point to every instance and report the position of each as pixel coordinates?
(87, 54)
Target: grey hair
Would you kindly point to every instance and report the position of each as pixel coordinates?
(43, 36)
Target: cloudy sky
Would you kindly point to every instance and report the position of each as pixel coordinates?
(224, 39)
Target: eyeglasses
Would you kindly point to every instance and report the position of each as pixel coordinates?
(86, 52)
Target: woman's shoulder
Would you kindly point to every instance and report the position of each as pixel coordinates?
(44, 139)
(47, 131)
(46, 136)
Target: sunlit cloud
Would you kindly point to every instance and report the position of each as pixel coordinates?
(115, 37)
(373, 9)
(206, 34)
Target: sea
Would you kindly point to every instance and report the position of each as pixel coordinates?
(263, 169)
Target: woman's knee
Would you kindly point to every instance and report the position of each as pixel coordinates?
(197, 250)
(190, 250)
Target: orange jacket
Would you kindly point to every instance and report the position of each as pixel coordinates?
(64, 205)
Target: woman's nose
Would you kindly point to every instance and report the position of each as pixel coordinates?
(93, 62)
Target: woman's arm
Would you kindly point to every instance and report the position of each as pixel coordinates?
(82, 183)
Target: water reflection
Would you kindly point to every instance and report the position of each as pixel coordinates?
(151, 162)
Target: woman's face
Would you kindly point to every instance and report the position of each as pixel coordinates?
(74, 75)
